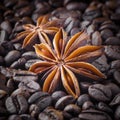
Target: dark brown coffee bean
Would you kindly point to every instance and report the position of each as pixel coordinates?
(21, 91)
(84, 24)
(16, 104)
(101, 63)
(115, 64)
(3, 36)
(87, 105)
(115, 89)
(113, 51)
(64, 101)
(90, 29)
(93, 115)
(96, 38)
(5, 25)
(116, 100)
(26, 117)
(12, 56)
(72, 109)
(82, 98)
(104, 107)
(50, 114)
(117, 76)
(100, 92)
(117, 113)
(14, 117)
(41, 99)
(20, 63)
(30, 62)
(34, 110)
(29, 85)
(106, 33)
(57, 95)
(112, 41)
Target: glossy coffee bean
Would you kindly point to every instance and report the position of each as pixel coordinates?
(93, 115)
(50, 114)
(63, 101)
(16, 104)
(87, 105)
(117, 77)
(41, 99)
(100, 92)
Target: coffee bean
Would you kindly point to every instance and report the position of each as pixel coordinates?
(29, 85)
(74, 31)
(90, 29)
(17, 46)
(104, 107)
(3, 36)
(100, 92)
(87, 105)
(41, 99)
(112, 41)
(117, 113)
(50, 114)
(117, 76)
(57, 95)
(115, 64)
(115, 89)
(14, 117)
(106, 33)
(96, 38)
(116, 100)
(93, 115)
(112, 52)
(16, 104)
(66, 115)
(84, 86)
(82, 98)
(26, 117)
(9, 57)
(64, 101)
(5, 25)
(20, 63)
(72, 109)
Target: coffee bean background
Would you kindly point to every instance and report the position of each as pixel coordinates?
(21, 97)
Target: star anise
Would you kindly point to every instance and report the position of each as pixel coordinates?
(64, 59)
(42, 28)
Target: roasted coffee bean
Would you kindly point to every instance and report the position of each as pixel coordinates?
(30, 62)
(104, 107)
(87, 105)
(72, 109)
(64, 101)
(101, 63)
(112, 41)
(113, 52)
(117, 76)
(114, 88)
(115, 64)
(66, 115)
(14, 117)
(9, 59)
(116, 100)
(20, 63)
(117, 113)
(26, 117)
(5, 25)
(34, 110)
(106, 33)
(57, 95)
(41, 99)
(93, 115)
(21, 91)
(29, 55)
(3, 36)
(84, 24)
(96, 38)
(100, 92)
(30, 86)
(17, 104)
(84, 86)
(82, 98)
(90, 29)
(74, 31)
(50, 114)
(17, 46)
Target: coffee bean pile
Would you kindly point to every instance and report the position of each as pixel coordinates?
(21, 96)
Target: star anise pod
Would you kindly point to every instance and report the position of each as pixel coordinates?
(63, 59)
(42, 28)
